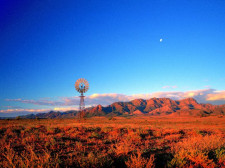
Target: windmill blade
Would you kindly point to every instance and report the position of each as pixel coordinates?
(81, 82)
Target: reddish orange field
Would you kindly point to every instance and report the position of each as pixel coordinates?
(113, 142)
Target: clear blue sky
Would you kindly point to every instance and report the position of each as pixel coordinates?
(46, 45)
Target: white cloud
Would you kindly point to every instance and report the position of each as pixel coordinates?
(218, 95)
(169, 87)
(25, 110)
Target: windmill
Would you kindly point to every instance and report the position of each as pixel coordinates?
(82, 86)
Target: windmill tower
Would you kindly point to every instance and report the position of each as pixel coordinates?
(82, 86)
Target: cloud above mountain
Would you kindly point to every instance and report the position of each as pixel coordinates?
(202, 96)
(66, 103)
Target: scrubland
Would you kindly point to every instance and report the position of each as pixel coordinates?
(113, 142)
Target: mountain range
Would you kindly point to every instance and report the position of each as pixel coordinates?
(151, 107)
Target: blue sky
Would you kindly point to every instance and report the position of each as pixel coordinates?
(45, 46)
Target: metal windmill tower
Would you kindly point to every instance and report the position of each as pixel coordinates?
(82, 86)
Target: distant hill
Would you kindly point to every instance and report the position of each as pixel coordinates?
(151, 107)
(52, 114)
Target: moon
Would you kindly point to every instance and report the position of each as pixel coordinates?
(161, 40)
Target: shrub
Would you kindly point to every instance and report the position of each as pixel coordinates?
(195, 151)
(140, 162)
(18, 118)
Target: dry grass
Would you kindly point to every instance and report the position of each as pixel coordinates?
(119, 142)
